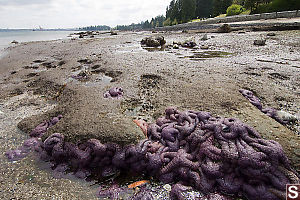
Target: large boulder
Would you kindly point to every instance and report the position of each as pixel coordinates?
(225, 28)
(86, 114)
(153, 41)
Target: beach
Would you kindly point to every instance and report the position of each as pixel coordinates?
(36, 83)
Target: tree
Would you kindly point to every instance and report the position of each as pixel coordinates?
(234, 9)
(181, 10)
(188, 10)
(251, 4)
(95, 28)
(220, 6)
(239, 2)
(204, 8)
(172, 10)
(146, 24)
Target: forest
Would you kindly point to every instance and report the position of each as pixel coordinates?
(182, 11)
(95, 28)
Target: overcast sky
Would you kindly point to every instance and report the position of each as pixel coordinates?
(77, 13)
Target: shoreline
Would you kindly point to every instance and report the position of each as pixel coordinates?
(24, 36)
(209, 84)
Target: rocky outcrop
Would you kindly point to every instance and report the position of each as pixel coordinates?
(153, 41)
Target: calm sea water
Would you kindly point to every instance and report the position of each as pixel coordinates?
(6, 37)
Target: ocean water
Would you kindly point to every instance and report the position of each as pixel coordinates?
(6, 37)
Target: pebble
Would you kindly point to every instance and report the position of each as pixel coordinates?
(205, 37)
(175, 46)
(259, 42)
(204, 47)
(286, 116)
(167, 187)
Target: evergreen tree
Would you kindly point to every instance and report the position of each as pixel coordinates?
(187, 10)
(220, 6)
(172, 10)
(204, 8)
(146, 25)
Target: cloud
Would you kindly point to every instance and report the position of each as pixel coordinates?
(75, 13)
(23, 2)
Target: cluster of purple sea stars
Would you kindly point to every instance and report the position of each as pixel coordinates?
(115, 92)
(185, 149)
(34, 141)
(271, 112)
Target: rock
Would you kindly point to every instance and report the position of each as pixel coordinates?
(298, 116)
(225, 28)
(153, 41)
(175, 46)
(184, 31)
(260, 42)
(15, 42)
(189, 44)
(62, 62)
(154, 31)
(113, 33)
(81, 36)
(204, 47)
(83, 75)
(167, 187)
(204, 37)
(271, 34)
(285, 116)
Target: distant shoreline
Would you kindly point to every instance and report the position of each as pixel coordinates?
(7, 30)
(28, 35)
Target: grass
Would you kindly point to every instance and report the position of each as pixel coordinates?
(246, 12)
(222, 15)
(195, 20)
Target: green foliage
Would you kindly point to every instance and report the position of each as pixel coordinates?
(246, 12)
(277, 6)
(263, 8)
(251, 4)
(95, 28)
(239, 2)
(174, 22)
(169, 22)
(234, 9)
(181, 10)
(220, 6)
(155, 22)
(282, 5)
(204, 8)
(188, 8)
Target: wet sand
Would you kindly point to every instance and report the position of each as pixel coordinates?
(36, 84)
